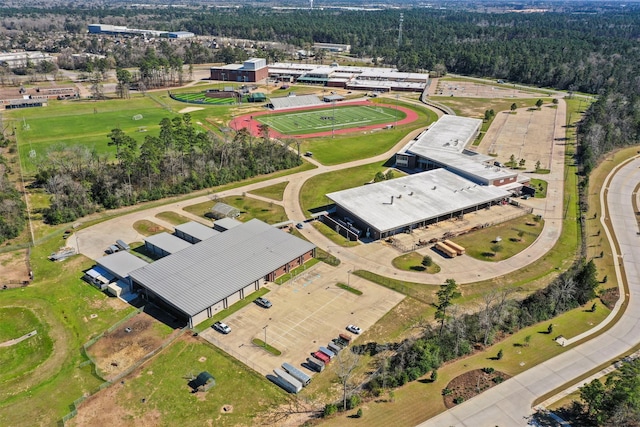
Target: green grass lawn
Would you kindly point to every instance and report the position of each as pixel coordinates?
(148, 228)
(25, 356)
(84, 123)
(173, 217)
(275, 192)
(516, 236)
(162, 383)
(413, 262)
(249, 209)
(61, 306)
(267, 347)
(541, 187)
(327, 119)
(312, 194)
(334, 236)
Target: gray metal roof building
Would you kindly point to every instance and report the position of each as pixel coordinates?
(390, 207)
(121, 264)
(198, 280)
(194, 232)
(163, 244)
(224, 224)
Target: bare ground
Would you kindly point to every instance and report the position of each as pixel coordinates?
(471, 384)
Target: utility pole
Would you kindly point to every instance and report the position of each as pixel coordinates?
(265, 335)
(333, 120)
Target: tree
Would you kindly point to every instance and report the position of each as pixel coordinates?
(447, 292)
(555, 101)
(124, 80)
(539, 103)
(593, 395)
(521, 163)
(514, 107)
(538, 165)
(550, 328)
(379, 176)
(389, 175)
(346, 363)
(499, 355)
(512, 160)
(427, 261)
(495, 248)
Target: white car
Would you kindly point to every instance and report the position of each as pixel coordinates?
(221, 327)
(354, 329)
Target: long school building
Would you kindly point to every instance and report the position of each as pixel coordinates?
(198, 281)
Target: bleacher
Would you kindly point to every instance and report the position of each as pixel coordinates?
(295, 102)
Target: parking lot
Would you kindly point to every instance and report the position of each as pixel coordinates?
(307, 313)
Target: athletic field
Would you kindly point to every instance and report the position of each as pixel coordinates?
(328, 119)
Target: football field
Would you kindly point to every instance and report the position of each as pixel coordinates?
(328, 119)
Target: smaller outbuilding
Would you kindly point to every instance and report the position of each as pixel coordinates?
(203, 382)
(222, 210)
(163, 244)
(194, 232)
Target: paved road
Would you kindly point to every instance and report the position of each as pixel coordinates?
(509, 404)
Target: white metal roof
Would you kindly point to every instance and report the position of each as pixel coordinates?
(197, 230)
(416, 198)
(167, 242)
(121, 263)
(204, 274)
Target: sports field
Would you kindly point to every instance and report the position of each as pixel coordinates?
(201, 98)
(328, 119)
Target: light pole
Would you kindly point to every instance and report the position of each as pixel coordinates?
(349, 278)
(265, 335)
(397, 96)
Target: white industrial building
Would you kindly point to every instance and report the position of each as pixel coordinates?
(400, 205)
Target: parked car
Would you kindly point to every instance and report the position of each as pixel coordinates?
(299, 226)
(354, 329)
(112, 249)
(221, 327)
(263, 302)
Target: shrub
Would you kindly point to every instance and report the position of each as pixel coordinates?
(330, 409)
(434, 376)
(353, 401)
(359, 413)
(500, 354)
(498, 380)
(446, 391)
(458, 400)
(488, 370)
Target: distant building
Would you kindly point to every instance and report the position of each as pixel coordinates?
(119, 30)
(180, 34)
(23, 59)
(252, 70)
(332, 47)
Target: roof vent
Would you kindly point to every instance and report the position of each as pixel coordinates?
(411, 193)
(434, 187)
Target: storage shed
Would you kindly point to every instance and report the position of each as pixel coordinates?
(203, 382)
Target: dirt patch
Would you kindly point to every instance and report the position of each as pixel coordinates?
(190, 109)
(609, 297)
(465, 386)
(14, 269)
(120, 349)
(226, 409)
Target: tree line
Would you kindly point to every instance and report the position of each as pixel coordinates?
(12, 207)
(179, 160)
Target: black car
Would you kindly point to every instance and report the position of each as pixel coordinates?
(263, 302)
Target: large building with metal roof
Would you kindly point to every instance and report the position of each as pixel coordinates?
(399, 205)
(198, 281)
(163, 244)
(444, 145)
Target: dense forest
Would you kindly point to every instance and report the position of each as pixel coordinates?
(12, 207)
(178, 161)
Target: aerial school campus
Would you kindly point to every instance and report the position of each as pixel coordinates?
(395, 197)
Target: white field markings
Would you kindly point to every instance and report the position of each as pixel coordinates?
(347, 117)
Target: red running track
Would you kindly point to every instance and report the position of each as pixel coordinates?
(248, 121)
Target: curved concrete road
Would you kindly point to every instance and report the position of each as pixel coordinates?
(510, 403)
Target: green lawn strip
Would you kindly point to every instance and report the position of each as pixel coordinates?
(421, 292)
(259, 343)
(223, 314)
(541, 187)
(334, 236)
(250, 208)
(173, 217)
(312, 194)
(480, 244)
(543, 171)
(148, 228)
(160, 389)
(296, 271)
(275, 191)
(64, 304)
(357, 145)
(349, 288)
(412, 261)
(139, 249)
